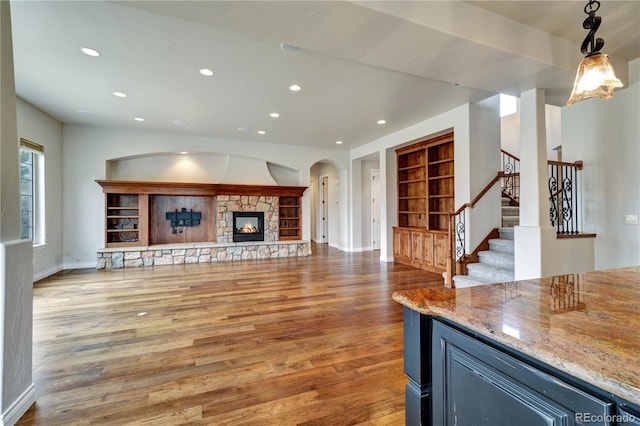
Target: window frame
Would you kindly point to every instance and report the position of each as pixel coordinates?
(38, 191)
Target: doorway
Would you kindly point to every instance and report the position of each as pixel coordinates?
(324, 206)
(375, 209)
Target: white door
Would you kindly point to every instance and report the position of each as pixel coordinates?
(325, 209)
(375, 209)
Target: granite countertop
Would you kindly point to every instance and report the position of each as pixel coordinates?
(587, 324)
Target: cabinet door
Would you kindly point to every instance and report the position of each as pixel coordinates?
(402, 246)
(405, 245)
(428, 257)
(441, 250)
(396, 243)
(475, 384)
(417, 248)
(627, 418)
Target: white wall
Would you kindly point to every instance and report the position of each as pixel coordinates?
(605, 134)
(484, 164)
(365, 218)
(476, 143)
(88, 148)
(36, 126)
(510, 130)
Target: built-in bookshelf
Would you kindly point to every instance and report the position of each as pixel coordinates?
(425, 200)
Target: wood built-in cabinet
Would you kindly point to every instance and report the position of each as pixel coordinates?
(136, 211)
(289, 218)
(425, 200)
(126, 220)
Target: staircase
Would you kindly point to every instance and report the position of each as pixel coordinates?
(510, 214)
(496, 265)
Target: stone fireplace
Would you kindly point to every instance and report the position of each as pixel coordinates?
(269, 215)
(226, 205)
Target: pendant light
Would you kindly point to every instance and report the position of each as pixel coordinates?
(595, 77)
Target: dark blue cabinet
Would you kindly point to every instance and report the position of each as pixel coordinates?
(457, 377)
(474, 384)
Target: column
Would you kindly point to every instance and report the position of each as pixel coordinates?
(17, 391)
(535, 229)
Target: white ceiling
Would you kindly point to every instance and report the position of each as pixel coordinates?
(360, 62)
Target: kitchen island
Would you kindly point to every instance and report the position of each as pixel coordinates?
(559, 350)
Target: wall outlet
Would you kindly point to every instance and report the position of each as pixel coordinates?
(630, 219)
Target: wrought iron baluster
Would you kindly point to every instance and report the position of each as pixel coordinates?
(564, 191)
(460, 237)
(553, 205)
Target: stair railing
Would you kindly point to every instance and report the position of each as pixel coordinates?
(564, 201)
(457, 229)
(510, 183)
(564, 190)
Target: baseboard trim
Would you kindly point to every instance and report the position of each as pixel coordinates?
(47, 272)
(79, 265)
(19, 407)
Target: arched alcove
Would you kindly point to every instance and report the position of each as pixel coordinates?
(328, 183)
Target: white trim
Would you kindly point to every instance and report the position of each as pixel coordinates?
(79, 265)
(386, 258)
(19, 407)
(47, 272)
(323, 219)
(375, 215)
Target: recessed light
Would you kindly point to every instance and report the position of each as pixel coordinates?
(262, 132)
(382, 121)
(138, 118)
(295, 88)
(180, 123)
(338, 142)
(120, 94)
(206, 71)
(274, 115)
(184, 153)
(290, 48)
(244, 129)
(90, 52)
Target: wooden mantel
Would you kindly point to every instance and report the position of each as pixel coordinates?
(185, 188)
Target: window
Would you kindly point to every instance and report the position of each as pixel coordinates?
(508, 105)
(32, 192)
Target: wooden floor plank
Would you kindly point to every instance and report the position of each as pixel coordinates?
(299, 341)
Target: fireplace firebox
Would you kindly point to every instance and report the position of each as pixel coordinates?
(248, 226)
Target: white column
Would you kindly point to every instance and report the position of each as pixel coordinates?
(17, 391)
(355, 204)
(535, 229)
(388, 202)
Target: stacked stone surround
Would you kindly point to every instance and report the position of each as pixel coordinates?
(178, 254)
(227, 204)
(223, 249)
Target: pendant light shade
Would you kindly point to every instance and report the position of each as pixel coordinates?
(595, 79)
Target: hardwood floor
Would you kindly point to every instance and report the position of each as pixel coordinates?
(300, 341)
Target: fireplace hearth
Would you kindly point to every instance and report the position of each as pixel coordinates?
(248, 226)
